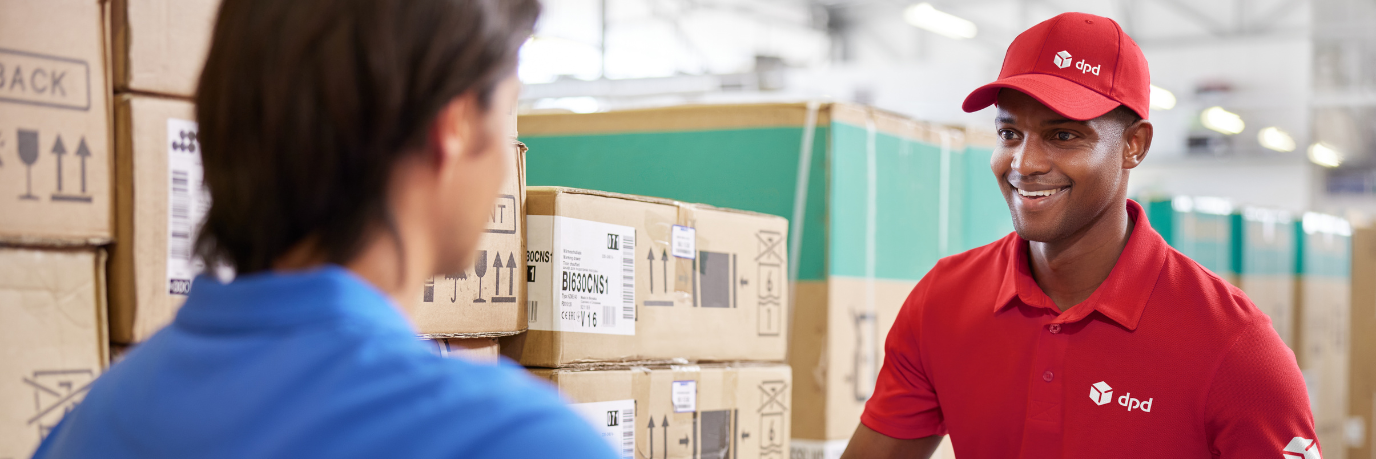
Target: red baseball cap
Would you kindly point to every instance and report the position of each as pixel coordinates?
(1080, 65)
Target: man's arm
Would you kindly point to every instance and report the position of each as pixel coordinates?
(1257, 405)
(866, 444)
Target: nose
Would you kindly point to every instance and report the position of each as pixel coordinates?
(1030, 159)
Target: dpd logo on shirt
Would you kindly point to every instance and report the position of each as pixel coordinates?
(1101, 393)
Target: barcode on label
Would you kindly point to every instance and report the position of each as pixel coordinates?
(531, 307)
(179, 231)
(628, 278)
(628, 433)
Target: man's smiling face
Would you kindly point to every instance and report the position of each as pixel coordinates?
(1057, 174)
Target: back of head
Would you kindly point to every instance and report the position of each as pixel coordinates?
(305, 107)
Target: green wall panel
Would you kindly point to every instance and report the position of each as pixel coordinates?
(750, 169)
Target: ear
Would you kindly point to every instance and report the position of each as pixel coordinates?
(452, 131)
(1136, 142)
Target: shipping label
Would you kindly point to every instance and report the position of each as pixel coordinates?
(581, 275)
(684, 241)
(187, 203)
(685, 396)
(614, 421)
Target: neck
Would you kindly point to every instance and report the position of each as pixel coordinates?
(398, 270)
(1071, 268)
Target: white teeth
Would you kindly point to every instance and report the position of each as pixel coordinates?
(1033, 194)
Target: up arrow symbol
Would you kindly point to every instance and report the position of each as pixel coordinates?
(83, 153)
(59, 150)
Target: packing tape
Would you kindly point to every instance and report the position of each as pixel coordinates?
(795, 224)
(687, 216)
(867, 324)
(943, 214)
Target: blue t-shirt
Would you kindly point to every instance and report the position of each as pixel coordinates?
(312, 364)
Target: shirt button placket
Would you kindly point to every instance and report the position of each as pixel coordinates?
(1043, 427)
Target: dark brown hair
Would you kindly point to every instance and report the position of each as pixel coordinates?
(306, 106)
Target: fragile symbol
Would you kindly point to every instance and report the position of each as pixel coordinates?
(28, 153)
(480, 269)
(56, 392)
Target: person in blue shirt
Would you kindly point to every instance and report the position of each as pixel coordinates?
(351, 148)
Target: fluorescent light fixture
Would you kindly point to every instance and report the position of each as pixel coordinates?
(573, 104)
(1275, 139)
(925, 16)
(1210, 205)
(1325, 155)
(1218, 119)
(1325, 224)
(1264, 215)
(1182, 204)
(1161, 98)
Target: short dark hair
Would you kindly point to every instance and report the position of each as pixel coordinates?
(1123, 115)
(306, 106)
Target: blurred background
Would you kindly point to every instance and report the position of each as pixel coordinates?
(1265, 102)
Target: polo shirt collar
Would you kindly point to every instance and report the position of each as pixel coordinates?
(1122, 297)
(274, 301)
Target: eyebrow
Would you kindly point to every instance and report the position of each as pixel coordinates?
(1062, 121)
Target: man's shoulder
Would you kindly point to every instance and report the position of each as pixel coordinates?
(1189, 286)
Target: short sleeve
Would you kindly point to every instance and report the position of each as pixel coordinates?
(1257, 405)
(904, 405)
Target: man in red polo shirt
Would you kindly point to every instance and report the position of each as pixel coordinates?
(1082, 335)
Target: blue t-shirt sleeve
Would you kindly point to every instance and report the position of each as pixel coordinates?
(555, 433)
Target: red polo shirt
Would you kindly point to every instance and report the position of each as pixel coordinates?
(1163, 360)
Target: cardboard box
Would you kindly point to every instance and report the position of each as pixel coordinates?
(1199, 227)
(489, 299)
(979, 211)
(1263, 264)
(710, 411)
(474, 349)
(159, 46)
(649, 279)
(54, 124)
(52, 339)
(869, 195)
(160, 204)
(1360, 430)
(1324, 292)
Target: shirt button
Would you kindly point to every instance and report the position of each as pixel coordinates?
(1054, 328)
(1047, 376)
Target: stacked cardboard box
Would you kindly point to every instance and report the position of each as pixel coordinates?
(684, 411)
(1263, 261)
(158, 49)
(1323, 288)
(622, 286)
(852, 180)
(1360, 429)
(55, 203)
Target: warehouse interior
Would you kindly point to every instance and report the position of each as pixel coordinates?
(774, 177)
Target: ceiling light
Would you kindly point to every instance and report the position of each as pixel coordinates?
(1276, 139)
(1325, 155)
(1325, 224)
(1161, 98)
(1218, 119)
(925, 16)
